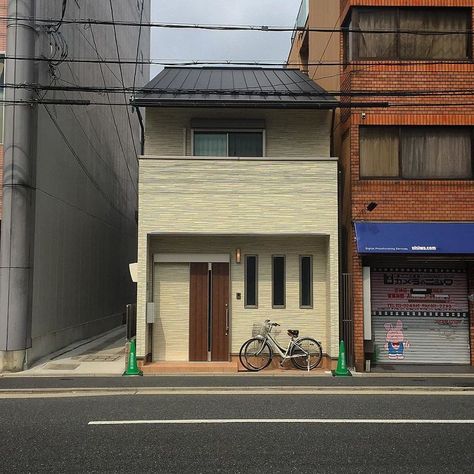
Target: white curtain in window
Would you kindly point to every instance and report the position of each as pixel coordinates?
(435, 46)
(436, 152)
(210, 144)
(379, 152)
(376, 45)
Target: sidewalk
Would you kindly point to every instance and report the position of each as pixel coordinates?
(102, 355)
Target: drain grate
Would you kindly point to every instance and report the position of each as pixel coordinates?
(100, 358)
(56, 366)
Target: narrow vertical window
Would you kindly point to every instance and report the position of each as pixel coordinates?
(278, 281)
(250, 287)
(306, 281)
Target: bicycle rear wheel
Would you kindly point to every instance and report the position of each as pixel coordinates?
(255, 354)
(308, 352)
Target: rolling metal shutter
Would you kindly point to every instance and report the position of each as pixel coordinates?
(420, 315)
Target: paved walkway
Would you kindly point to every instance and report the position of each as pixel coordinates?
(98, 356)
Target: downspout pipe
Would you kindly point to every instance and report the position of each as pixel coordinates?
(18, 179)
(142, 128)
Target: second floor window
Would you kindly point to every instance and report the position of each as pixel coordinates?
(416, 152)
(231, 143)
(391, 33)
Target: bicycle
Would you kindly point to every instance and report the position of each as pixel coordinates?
(255, 354)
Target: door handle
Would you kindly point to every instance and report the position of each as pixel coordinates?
(226, 319)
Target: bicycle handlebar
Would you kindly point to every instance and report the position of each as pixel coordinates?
(267, 321)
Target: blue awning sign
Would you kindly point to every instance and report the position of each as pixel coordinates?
(415, 237)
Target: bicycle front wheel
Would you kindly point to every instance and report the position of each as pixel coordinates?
(241, 355)
(307, 353)
(256, 354)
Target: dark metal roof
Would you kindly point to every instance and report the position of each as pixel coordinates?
(233, 87)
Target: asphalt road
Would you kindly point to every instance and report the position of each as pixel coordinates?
(54, 435)
(256, 380)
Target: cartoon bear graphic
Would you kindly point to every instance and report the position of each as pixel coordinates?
(396, 344)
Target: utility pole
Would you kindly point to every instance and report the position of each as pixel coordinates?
(18, 180)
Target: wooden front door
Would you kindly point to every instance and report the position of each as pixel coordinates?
(220, 312)
(209, 312)
(198, 311)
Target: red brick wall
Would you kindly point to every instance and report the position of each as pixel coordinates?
(403, 200)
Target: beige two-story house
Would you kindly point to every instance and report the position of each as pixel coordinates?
(238, 207)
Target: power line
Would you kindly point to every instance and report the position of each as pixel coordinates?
(274, 92)
(138, 46)
(123, 81)
(110, 104)
(343, 105)
(256, 63)
(229, 27)
(82, 164)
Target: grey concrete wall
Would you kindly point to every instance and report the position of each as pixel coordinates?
(86, 178)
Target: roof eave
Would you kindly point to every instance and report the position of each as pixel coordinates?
(148, 102)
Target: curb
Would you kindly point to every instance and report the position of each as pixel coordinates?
(188, 391)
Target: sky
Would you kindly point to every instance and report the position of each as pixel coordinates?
(222, 45)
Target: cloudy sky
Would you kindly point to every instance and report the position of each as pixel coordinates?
(222, 45)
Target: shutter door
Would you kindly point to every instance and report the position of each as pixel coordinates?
(420, 315)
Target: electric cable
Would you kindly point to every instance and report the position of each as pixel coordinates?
(82, 164)
(230, 27)
(114, 119)
(123, 81)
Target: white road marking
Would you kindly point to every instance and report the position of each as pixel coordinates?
(285, 420)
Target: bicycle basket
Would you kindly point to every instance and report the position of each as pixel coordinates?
(260, 329)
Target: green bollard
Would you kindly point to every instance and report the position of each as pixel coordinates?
(341, 369)
(132, 367)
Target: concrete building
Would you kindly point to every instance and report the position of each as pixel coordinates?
(237, 212)
(69, 181)
(407, 166)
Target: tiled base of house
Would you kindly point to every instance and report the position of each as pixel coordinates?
(233, 366)
(170, 367)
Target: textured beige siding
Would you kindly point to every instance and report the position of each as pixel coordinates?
(281, 201)
(233, 196)
(171, 326)
(289, 133)
(311, 322)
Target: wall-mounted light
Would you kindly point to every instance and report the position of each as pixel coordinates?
(237, 255)
(363, 115)
(371, 206)
(368, 208)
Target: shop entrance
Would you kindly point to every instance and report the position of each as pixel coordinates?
(209, 312)
(420, 314)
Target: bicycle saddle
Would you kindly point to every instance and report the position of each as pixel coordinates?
(293, 332)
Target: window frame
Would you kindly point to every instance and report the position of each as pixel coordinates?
(248, 306)
(284, 282)
(353, 18)
(400, 176)
(227, 131)
(311, 281)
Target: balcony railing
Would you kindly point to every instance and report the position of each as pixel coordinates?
(302, 17)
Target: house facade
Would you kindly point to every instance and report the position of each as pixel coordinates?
(237, 212)
(407, 165)
(68, 172)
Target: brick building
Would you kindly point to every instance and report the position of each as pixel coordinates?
(407, 174)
